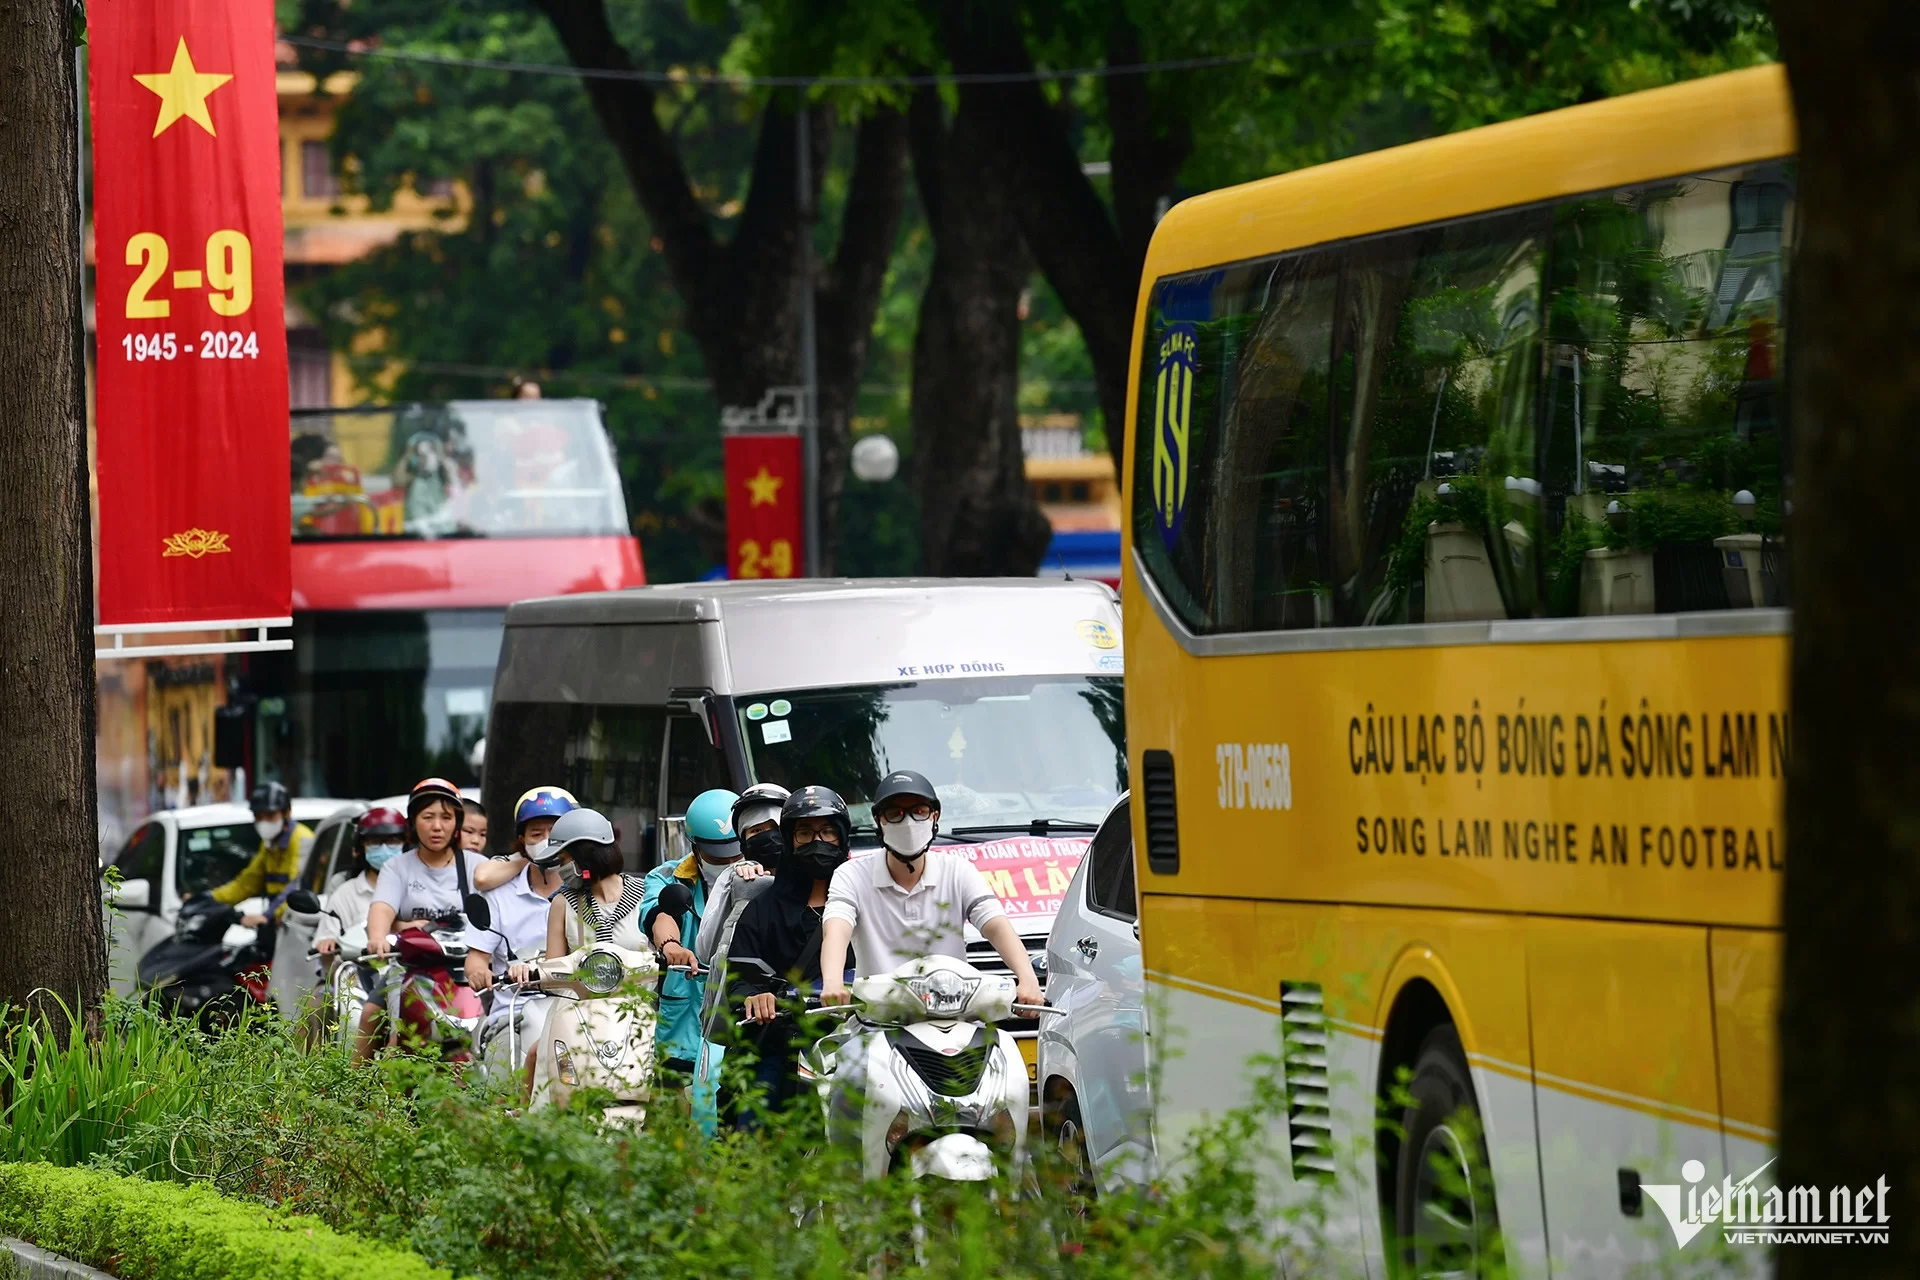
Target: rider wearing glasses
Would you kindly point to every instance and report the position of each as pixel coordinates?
(913, 900)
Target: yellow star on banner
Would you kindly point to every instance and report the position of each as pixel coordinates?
(764, 489)
(183, 91)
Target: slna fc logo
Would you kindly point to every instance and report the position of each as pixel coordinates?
(1172, 405)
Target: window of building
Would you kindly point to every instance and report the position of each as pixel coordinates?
(317, 178)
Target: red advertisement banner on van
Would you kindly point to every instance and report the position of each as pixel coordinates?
(766, 499)
(191, 398)
(1030, 874)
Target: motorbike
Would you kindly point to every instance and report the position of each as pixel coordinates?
(430, 1004)
(599, 1034)
(921, 1080)
(213, 967)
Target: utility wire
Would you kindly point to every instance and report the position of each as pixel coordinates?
(684, 76)
(642, 381)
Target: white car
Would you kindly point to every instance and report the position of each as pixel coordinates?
(1095, 1090)
(176, 852)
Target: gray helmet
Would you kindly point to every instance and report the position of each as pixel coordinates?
(577, 826)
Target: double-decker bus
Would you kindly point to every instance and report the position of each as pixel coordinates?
(414, 526)
(1456, 685)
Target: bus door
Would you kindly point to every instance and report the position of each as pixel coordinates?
(1626, 1083)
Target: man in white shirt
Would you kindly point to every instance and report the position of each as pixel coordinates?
(910, 899)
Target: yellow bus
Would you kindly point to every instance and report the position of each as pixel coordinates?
(1455, 609)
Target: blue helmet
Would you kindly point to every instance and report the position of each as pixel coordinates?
(710, 820)
(542, 802)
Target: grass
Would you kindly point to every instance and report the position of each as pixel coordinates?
(69, 1103)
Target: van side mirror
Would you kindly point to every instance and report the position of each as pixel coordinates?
(132, 895)
(700, 704)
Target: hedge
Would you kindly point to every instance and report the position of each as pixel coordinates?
(141, 1230)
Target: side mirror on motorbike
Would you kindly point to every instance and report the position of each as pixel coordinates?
(132, 895)
(479, 914)
(304, 901)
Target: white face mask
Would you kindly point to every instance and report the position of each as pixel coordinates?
(538, 850)
(710, 871)
(268, 830)
(909, 839)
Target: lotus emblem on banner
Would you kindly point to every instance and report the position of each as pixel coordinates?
(196, 543)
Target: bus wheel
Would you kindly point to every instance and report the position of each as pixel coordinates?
(1443, 1193)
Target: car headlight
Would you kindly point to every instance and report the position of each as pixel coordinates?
(600, 973)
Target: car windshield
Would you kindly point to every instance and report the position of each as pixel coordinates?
(211, 856)
(465, 468)
(999, 750)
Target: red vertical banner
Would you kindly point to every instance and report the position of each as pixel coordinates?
(765, 506)
(189, 299)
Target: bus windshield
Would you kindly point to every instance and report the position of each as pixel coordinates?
(1000, 751)
(465, 468)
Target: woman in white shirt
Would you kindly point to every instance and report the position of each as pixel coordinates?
(422, 884)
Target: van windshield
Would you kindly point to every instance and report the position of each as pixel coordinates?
(999, 750)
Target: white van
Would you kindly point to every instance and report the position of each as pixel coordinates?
(1005, 692)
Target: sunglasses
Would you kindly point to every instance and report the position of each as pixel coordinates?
(918, 812)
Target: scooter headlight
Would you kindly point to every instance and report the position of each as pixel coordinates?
(944, 991)
(563, 1064)
(600, 972)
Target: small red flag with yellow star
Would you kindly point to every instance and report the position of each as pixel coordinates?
(765, 503)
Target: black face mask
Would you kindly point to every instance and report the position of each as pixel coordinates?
(763, 847)
(819, 858)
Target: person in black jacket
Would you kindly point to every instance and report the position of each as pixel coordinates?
(776, 945)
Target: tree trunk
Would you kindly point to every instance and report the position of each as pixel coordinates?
(1850, 999)
(52, 943)
(740, 295)
(977, 514)
(1090, 255)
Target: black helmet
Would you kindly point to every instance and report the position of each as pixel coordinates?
(816, 802)
(269, 797)
(905, 782)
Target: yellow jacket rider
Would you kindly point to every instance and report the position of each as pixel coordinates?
(282, 841)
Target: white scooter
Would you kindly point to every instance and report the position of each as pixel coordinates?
(922, 1076)
(599, 1034)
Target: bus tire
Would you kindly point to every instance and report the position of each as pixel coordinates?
(1445, 1219)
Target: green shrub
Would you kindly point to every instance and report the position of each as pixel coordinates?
(142, 1230)
(67, 1103)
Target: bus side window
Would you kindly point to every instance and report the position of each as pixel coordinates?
(1434, 501)
(1662, 439)
(693, 764)
(1231, 471)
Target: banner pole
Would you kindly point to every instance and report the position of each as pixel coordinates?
(809, 355)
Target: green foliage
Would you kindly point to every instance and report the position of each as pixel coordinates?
(1655, 517)
(68, 1103)
(154, 1231)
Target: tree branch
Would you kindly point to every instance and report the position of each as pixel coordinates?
(628, 112)
(850, 292)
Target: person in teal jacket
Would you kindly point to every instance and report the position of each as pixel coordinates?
(675, 897)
